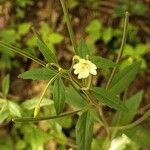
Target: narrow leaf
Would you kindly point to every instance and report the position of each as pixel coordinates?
(14, 109)
(32, 103)
(38, 74)
(108, 98)
(74, 99)
(84, 131)
(82, 49)
(123, 118)
(59, 95)
(123, 78)
(47, 53)
(5, 85)
(102, 63)
(21, 52)
(139, 135)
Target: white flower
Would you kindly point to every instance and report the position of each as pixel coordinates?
(84, 68)
(120, 143)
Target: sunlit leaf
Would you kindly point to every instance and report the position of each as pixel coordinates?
(108, 98)
(59, 95)
(84, 131)
(38, 74)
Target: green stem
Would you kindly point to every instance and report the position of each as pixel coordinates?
(47, 118)
(22, 53)
(37, 108)
(124, 38)
(135, 123)
(69, 26)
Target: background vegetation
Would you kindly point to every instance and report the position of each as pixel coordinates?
(100, 23)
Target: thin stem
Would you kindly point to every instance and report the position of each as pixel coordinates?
(135, 123)
(37, 108)
(69, 26)
(124, 38)
(47, 118)
(22, 53)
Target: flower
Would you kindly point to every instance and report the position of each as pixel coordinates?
(120, 143)
(84, 68)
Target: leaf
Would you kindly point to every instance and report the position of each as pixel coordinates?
(59, 95)
(32, 103)
(5, 85)
(107, 35)
(38, 74)
(24, 28)
(102, 63)
(123, 118)
(108, 98)
(139, 135)
(123, 78)
(55, 38)
(4, 113)
(47, 53)
(74, 98)
(14, 109)
(82, 49)
(94, 30)
(84, 131)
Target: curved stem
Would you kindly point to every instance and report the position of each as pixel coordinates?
(135, 123)
(37, 108)
(124, 38)
(47, 118)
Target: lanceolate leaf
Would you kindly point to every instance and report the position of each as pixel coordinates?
(108, 98)
(123, 118)
(74, 99)
(102, 63)
(140, 135)
(82, 49)
(59, 95)
(5, 85)
(123, 78)
(84, 130)
(47, 53)
(14, 109)
(32, 103)
(38, 74)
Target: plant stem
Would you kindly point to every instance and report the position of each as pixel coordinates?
(69, 26)
(124, 38)
(135, 123)
(37, 108)
(22, 53)
(47, 118)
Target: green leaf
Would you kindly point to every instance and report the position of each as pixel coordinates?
(82, 49)
(102, 63)
(108, 98)
(14, 109)
(47, 53)
(74, 98)
(107, 35)
(139, 135)
(55, 38)
(84, 131)
(32, 103)
(38, 74)
(4, 113)
(5, 85)
(24, 28)
(123, 118)
(123, 78)
(59, 95)
(94, 30)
